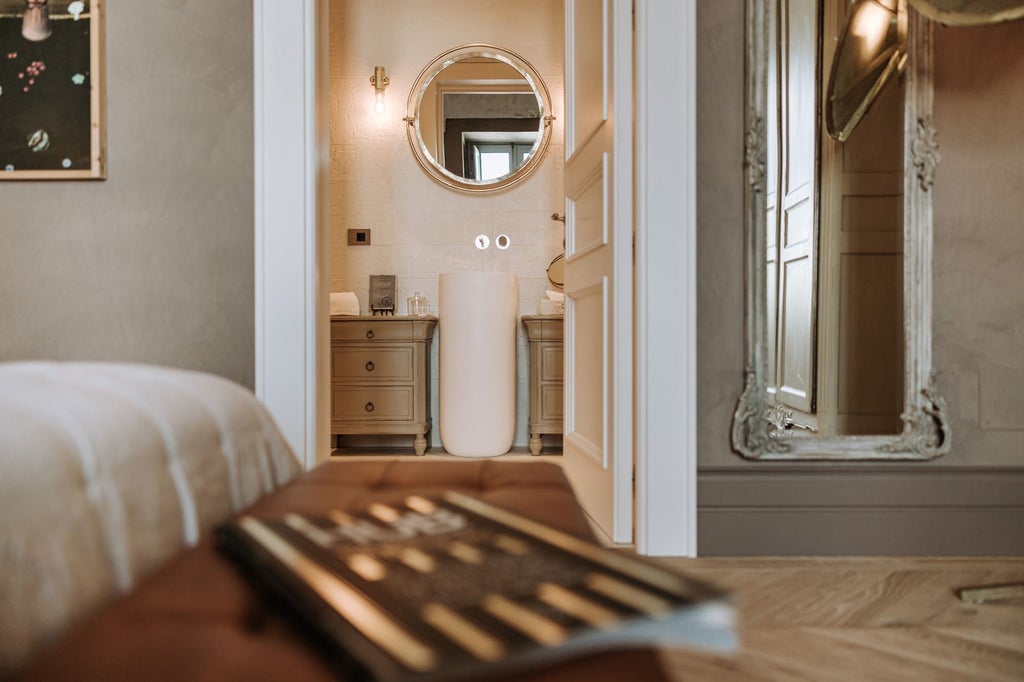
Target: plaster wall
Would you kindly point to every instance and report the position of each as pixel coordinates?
(155, 263)
(979, 240)
(419, 228)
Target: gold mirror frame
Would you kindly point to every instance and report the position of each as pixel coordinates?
(412, 118)
(960, 13)
(926, 432)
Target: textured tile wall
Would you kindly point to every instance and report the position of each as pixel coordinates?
(420, 228)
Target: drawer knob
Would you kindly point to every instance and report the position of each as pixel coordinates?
(369, 407)
(369, 366)
(369, 333)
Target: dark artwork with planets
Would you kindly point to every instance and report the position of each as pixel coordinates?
(45, 83)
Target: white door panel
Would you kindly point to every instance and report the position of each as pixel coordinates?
(598, 440)
(586, 355)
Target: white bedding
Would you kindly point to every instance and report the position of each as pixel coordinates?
(106, 471)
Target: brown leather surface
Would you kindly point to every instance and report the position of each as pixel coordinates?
(197, 619)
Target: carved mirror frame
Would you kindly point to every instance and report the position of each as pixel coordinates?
(429, 164)
(926, 430)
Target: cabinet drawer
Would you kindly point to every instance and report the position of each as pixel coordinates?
(551, 359)
(371, 330)
(551, 402)
(389, 363)
(373, 403)
(544, 327)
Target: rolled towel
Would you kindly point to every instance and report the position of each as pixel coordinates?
(344, 303)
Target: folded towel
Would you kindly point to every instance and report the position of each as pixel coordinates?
(555, 295)
(344, 303)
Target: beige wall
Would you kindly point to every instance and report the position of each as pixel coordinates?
(719, 226)
(979, 243)
(419, 228)
(154, 264)
(979, 239)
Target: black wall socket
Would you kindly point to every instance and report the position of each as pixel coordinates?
(358, 237)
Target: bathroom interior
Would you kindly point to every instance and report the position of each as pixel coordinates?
(388, 216)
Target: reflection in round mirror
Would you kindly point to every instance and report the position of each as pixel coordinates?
(872, 47)
(479, 118)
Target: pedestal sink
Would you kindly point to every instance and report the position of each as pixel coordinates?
(477, 385)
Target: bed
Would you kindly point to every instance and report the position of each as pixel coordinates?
(111, 479)
(108, 470)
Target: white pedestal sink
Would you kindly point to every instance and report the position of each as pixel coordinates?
(477, 385)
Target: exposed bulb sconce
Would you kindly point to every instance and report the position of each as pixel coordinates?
(379, 81)
(35, 25)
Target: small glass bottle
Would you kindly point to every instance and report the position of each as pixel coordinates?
(418, 305)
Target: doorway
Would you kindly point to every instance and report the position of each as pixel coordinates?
(291, 288)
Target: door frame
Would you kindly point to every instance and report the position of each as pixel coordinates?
(291, 279)
(665, 306)
(290, 146)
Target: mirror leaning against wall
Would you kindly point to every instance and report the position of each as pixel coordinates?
(840, 155)
(479, 118)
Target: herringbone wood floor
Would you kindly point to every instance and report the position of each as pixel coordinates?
(825, 619)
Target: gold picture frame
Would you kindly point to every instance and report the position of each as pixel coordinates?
(52, 114)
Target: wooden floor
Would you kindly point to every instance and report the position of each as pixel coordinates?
(865, 619)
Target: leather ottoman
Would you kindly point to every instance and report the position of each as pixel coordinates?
(197, 618)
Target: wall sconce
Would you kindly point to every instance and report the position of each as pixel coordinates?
(379, 80)
(35, 25)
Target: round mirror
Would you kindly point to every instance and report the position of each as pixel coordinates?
(479, 118)
(556, 270)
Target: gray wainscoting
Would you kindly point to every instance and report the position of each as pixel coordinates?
(863, 510)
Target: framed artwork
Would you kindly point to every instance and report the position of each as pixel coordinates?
(51, 90)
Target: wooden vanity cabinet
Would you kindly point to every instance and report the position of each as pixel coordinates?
(545, 335)
(380, 376)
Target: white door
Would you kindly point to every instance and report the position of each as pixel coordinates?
(598, 441)
(792, 209)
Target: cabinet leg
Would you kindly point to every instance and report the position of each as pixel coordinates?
(534, 443)
(419, 445)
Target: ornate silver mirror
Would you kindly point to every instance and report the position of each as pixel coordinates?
(479, 118)
(838, 245)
